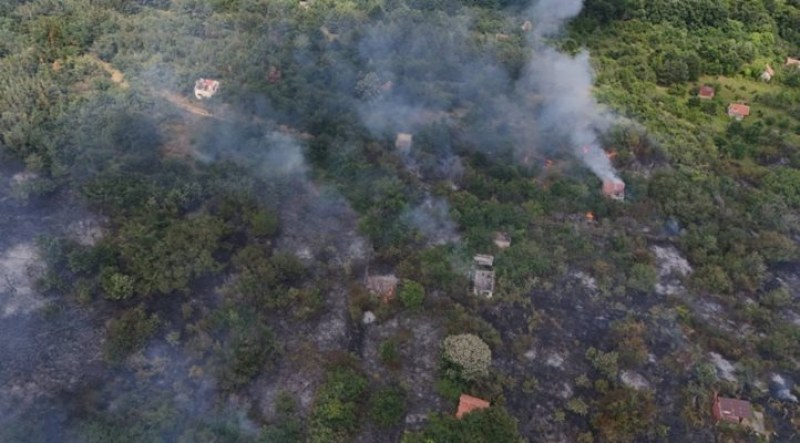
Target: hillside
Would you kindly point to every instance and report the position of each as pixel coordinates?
(386, 204)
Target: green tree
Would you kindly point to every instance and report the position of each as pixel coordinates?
(469, 354)
(388, 406)
(412, 294)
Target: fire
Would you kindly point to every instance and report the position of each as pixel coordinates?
(548, 163)
(612, 154)
(590, 216)
(586, 150)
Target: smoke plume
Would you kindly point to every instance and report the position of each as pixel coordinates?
(550, 16)
(569, 110)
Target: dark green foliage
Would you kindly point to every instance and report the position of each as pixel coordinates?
(412, 294)
(166, 260)
(335, 416)
(388, 352)
(623, 414)
(130, 332)
(288, 427)
(490, 425)
(249, 353)
(387, 406)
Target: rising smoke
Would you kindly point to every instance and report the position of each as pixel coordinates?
(565, 82)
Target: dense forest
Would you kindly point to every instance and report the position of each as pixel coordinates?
(298, 257)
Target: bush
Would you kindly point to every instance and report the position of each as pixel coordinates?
(335, 416)
(412, 294)
(129, 332)
(623, 415)
(388, 353)
(388, 406)
(492, 425)
(248, 352)
(471, 354)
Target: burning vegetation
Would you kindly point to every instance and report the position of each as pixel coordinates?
(311, 260)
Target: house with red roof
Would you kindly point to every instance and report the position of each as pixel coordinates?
(738, 111)
(706, 92)
(468, 403)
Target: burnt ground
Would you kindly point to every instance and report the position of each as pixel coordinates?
(48, 344)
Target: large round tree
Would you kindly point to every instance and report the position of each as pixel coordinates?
(471, 354)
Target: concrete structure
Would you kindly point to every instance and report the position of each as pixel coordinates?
(502, 240)
(614, 189)
(731, 410)
(738, 111)
(382, 286)
(767, 74)
(468, 403)
(483, 275)
(403, 142)
(706, 92)
(205, 88)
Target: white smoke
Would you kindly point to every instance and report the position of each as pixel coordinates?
(550, 16)
(565, 83)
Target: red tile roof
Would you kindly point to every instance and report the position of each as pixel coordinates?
(706, 92)
(614, 188)
(739, 109)
(468, 403)
(733, 410)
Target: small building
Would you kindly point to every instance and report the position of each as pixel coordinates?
(502, 240)
(767, 74)
(706, 92)
(403, 142)
(731, 410)
(205, 88)
(468, 403)
(738, 111)
(483, 275)
(483, 260)
(614, 188)
(382, 286)
(740, 412)
(792, 62)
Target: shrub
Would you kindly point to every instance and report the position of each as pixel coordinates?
(388, 406)
(471, 354)
(335, 416)
(129, 332)
(412, 294)
(388, 353)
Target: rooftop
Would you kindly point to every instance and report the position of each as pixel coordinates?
(468, 403)
(706, 92)
(383, 286)
(502, 240)
(738, 110)
(484, 260)
(732, 410)
(205, 88)
(614, 188)
(404, 141)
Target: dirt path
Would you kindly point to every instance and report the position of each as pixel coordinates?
(184, 103)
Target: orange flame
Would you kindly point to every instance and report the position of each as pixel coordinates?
(612, 154)
(586, 150)
(548, 163)
(590, 216)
